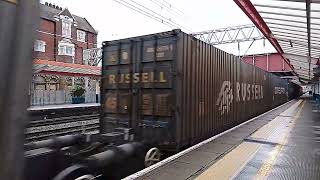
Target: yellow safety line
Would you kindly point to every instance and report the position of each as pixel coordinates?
(230, 164)
(268, 129)
(266, 168)
(12, 1)
(233, 162)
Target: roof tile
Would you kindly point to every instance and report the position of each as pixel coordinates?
(47, 12)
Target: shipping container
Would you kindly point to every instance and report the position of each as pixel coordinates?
(294, 90)
(174, 90)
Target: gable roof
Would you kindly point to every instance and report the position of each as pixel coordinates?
(47, 12)
(66, 12)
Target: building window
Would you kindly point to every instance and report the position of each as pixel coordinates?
(66, 28)
(81, 36)
(39, 46)
(66, 49)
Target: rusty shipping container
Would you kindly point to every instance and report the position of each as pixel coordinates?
(173, 90)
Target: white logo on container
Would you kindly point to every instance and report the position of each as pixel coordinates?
(225, 97)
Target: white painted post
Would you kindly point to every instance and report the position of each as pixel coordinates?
(268, 62)
(253, 60)
(72, 79)
(86, 87)
(98, 89)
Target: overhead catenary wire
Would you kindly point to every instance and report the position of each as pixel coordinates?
(144, 13)
(169, 5)
(150, 13)
(155, 14)
(168, 9)
(159, 15)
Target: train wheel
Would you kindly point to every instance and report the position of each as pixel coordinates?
(75, 172)
(85, 177)
(153, 156)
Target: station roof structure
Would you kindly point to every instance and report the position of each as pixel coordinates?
(292, 27)
(65, 68)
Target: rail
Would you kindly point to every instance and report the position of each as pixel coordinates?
(75, 124)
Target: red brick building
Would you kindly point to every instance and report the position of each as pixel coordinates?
(58, 50)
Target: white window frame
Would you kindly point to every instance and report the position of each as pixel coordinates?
(66, 49)
(39, 46)
(81, 36)
(66, 28)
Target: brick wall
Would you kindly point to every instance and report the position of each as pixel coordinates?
(46, 29)
(50, 32)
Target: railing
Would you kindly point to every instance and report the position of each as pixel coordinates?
(90, 97)
(49, 97)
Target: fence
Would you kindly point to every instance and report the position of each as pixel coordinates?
(50, 97)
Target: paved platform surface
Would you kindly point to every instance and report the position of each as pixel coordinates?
(61, 106)
(281, 144)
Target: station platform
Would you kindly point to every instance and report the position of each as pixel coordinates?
(283, 143)
(62, 106)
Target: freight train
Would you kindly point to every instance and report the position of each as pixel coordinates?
(160, 94)
(171, 90)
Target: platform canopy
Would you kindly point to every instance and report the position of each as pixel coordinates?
(292, 27)
(40, 66)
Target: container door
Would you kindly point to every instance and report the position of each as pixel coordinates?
(138, 87)
(156, 90)
(118, 94)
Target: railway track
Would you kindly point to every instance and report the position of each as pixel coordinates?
(46, 128)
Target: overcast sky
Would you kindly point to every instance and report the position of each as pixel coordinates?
(114, 21)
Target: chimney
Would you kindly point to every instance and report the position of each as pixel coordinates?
(50, 5)
(46, 3)
(54, 6)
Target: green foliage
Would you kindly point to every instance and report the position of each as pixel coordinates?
(78, 91)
